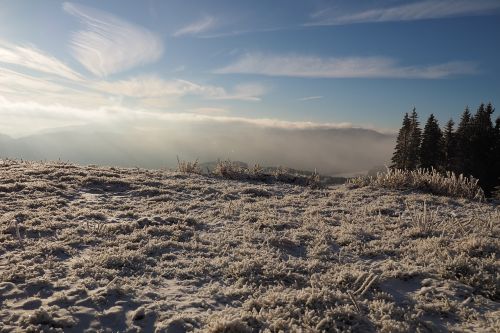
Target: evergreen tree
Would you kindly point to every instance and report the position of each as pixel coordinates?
(497, 159)
(400, 158)
(450, 147)
(464, 162)
(482, 147)
(415, 140)
(431, 150)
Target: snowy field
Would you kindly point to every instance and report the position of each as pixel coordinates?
(98, 249)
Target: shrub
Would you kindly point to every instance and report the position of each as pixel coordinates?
(428, 181)
(188, 167)
(235, 171)
(232, 170)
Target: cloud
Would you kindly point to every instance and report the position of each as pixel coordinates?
(30, 57)
(37, 115)
(19, 87)
(420, 10)
(274, 123)
(202, 25)
(242, 92)
(148, 92)
(109, 44)
(25, 117)
(19, 83)
(346, 67)
(209, 111)
(154, 87)
(309, 98)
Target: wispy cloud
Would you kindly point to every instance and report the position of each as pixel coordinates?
(309, 98)
(419, 10)
(233, 33)
(50, 115)
(209, 111)
(243, 92)
(30, 57)
(20, 87)
(146, 91)
(197, 27)
(346, 67)
(109, 44)
(154, 87)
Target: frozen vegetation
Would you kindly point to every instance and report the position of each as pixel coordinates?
(102, 249)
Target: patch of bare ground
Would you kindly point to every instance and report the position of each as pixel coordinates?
(99, 249)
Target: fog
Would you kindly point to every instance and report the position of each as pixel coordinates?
(330, 150)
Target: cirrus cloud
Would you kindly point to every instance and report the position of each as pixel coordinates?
(28, 56)
(341, 67)
(109, 44)
(419, 10)
(202, 25)
(151, 86)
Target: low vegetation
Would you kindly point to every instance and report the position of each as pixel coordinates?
(430, 181)
(111, 249)
(188, 167)
(240, 171)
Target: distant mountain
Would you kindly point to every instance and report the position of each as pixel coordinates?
(330, 151)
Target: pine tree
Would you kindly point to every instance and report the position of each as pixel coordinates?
(497, 159)
(415, 140)
(400, 158)
(450, 147)
(431, 150)
(482, 147)
(464, 162)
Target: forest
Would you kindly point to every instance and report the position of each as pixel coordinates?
(471, 149)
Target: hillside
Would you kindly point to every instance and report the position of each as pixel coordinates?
(110, 249)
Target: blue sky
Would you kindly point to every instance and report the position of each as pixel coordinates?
(292, 63)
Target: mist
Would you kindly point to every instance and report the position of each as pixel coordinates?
(156, 144)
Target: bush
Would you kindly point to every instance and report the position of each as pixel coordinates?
(235, 171)
(432, 181)
(188, 167)
(232, 170)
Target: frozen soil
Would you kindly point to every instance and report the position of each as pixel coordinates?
(100, 249)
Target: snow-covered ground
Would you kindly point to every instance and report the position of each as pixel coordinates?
(100, 249)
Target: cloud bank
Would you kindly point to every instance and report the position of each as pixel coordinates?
(419, 10)
(109, 44)
(346, 67)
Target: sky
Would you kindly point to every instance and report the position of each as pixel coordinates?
(282, 63)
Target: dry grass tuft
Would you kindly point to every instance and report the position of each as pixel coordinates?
(448, 184)
(231, 170)
(188, 167)
(232, 326)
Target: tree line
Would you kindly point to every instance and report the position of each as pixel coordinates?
(471, 149)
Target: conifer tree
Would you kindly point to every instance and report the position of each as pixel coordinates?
(400, 158)
(415, 141)
(497, 159)
(431, 150)
(450, 147)
(464, 162)
(482, 147)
